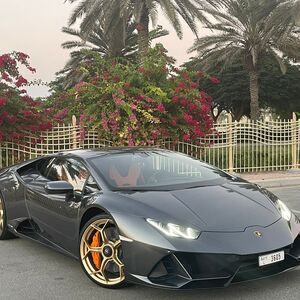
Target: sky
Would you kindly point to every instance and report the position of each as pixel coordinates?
(34, 27)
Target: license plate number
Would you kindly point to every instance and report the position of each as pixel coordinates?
(271, 258)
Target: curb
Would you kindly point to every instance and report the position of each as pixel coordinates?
(276, 183)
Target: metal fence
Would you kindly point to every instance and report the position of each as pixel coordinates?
(233, 146)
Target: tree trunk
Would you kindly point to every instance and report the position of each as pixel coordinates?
(238, 112)
(143, 35)
(117, 41)
(254, 104)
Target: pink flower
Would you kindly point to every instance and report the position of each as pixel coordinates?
(33, 70)
(82, 133)
(45, 126)
(205, 108)
(184, 102)
(194, 85)
(181, 85)
(22, 57)
(81, 118)
(149, 99)
(186, 137)
(192, 106)
(214, 80)
(133, 106)
(2, 62)
(118, 101)
(154, 134)
(6, 77)
(139, 98)
(198, 132)
(174, 121)
(21, 81)
(48, 110)
(104, 121)
(131, 143)
(175, 99)
(132, 118)
(2, 102)
(62, 114)
(203, 95)
(27, 113)
(161, 108)
(188, 118)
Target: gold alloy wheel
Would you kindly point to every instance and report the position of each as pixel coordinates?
(1, 216)
(100, 253)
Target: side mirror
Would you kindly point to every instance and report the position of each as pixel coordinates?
(59, 187)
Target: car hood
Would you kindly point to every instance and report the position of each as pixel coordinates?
(230, 207)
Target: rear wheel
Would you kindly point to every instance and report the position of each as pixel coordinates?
(4, 233)
(101, 252)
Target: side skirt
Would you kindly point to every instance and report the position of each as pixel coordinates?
(36, 237)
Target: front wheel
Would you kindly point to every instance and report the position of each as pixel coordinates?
(101, 252)
(4, 233)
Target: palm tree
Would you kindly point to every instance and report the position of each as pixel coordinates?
(90, 11)
(105, 45)
(248, 29)
(110, 46)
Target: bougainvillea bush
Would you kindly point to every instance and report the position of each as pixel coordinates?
(132, 105)
(20, 115)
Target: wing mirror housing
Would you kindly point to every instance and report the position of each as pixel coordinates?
(59, 187)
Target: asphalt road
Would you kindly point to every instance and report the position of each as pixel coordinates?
(31, 271)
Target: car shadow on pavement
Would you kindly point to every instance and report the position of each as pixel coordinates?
(32, 271)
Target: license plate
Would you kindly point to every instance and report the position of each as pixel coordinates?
(271, 258)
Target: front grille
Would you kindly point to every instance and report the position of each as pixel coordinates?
(189, 270)
(201, 266)
(253, 271)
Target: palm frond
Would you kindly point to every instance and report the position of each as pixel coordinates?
(251, 26)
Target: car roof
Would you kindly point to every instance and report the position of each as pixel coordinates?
(89, 153)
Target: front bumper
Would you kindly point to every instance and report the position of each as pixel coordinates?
(181, 270)
(215, 259)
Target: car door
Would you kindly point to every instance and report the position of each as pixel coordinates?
(57, 214)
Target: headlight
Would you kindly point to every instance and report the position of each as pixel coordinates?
(174, 230)
(284, 210)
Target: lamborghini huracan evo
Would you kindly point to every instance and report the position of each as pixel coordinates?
(149, 216)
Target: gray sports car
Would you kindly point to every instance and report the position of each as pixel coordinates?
(149, 216)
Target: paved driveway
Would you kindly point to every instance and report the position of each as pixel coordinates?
(31, 271)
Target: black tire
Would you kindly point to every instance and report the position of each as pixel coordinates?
(5, 234)
(108, 259)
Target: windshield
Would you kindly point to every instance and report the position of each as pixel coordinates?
(153, 170)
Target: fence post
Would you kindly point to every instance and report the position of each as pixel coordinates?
(294, 142)
(230, 144)
(74, 132)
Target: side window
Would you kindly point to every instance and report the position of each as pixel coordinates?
(91, 186)
(44, 166)
(75, 173)
(70, 170)
(56, 171)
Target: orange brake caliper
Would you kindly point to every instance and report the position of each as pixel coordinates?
(96, 256)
